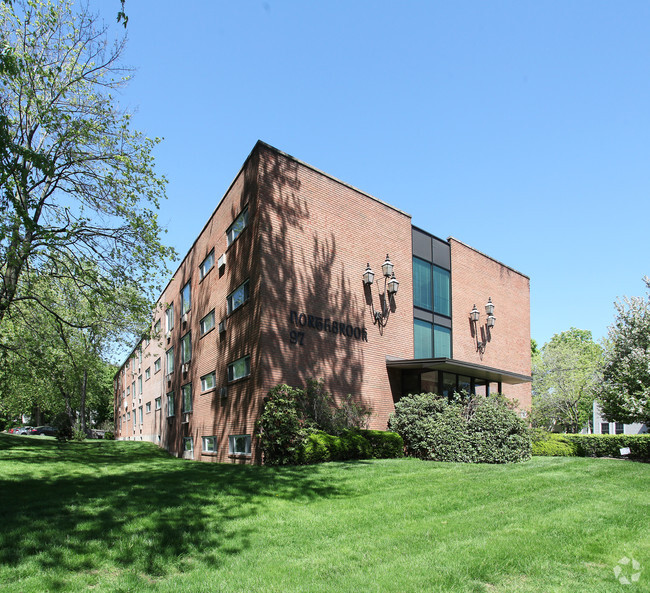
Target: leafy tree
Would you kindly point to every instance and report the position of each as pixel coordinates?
(78, 182)
(625, 393)
(566, 372)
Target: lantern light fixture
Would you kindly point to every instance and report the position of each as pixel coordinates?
(368, 276)
(391, 286)
(475, 315)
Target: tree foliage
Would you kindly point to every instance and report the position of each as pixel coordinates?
(78, 183)
(566, 372)
(625, 393)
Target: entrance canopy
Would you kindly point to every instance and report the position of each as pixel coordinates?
(458, 367)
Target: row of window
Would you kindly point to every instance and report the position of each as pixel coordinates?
(431, 340)
(238, 444)
(431, 287)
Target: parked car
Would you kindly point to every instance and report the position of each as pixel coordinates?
(46, 430)
(25, 430)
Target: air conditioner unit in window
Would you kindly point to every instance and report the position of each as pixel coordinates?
(186, 418)
(222, 326)
(185, 317)
(169, 378)
(185, 368)
(221, 262)
(223, 392)
(168, 335)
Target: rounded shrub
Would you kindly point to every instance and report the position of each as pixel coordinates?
(385, 444)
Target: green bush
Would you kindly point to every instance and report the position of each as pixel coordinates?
(385, 444)
(609, 445)
(320, 447)
(109, 435)
(280, 429)
(552, 445)
(466, 429)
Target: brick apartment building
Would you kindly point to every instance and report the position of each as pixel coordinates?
(278, 288)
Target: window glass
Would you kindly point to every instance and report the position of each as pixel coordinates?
(441, 291)
(442, 341)
(186, 298)
(140, 384)
(240, 444)
(238, 297)
(207, 264)
(148, 407)
(187, 397)
(423, 339)
(170, 404)
(238, 226)
(620, 428)
(207, 323)
(186, 348)
(209, 444)
(170, 360)
(156, 328)
(240, 368)
(422, 284)
(158, 403)
(169, 317)
(188, 446)
(156, 365)
(147, 374)
(140, 414)
(448, 386)
(208, 381)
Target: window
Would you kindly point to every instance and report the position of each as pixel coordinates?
(186, 390)
(147, 373)
(207, 265)
(128, 416)
(169, 318)
(170, 360)
(186, 348)
(156, 328)
(239, 444)
(140, 414)
(604, 428)
(128, 391)
(209, 444)
(422, 284)
(441, 291)
(235, 229)
(240, 368)
(238, 297)
(423, 339)
(208, 381)
(156, 365)
(441, 342)
(207, 323)
(170, 404)
(133, 390)
(140, 355)
(133, 364)
(148, 407)
(620, 428)
(158, 403)
(188, 447)
(140, 384)
(186, 298)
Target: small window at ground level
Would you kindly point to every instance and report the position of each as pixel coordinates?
(239, 369)
(238, 226)
(209, 444)
(208, 381)
(207, 323)
(239, 444)
(188, 445)
(207, 264)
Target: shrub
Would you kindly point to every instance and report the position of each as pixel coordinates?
(77, 433)
(552, 445)
(280, 428)
(467, 429)
(109, 435)
(609, 445)
(384, 444)
(320, 447)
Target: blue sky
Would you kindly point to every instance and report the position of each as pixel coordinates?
(521, 128)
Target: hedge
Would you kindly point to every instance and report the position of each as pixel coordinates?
(591, 445)
(320, 447)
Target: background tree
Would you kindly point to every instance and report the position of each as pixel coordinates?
(78, 182)
(566, 372)
(625, 393)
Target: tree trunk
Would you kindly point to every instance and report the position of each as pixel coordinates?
(84, 384)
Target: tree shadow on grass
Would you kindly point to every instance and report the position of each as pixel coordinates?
(132, 508)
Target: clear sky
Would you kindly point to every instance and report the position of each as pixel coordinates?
(521, 128)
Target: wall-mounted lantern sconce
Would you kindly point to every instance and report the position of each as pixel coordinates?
(474, 316)
(391, 286)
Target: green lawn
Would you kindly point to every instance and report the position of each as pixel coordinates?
(106, 516)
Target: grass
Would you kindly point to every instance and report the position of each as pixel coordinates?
(121, 516)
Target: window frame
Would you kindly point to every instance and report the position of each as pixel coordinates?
(231, 367)
(158, 403)
(230, 232)
(169, 354)
(203, 331)
(147, 373)
(186, 346)
(189, 440)
(232, 440)
(169, 317)
(203, 272)
(204, 449)
(184, 389)
(157, 365)
(245, 288)
(171, 405)
(186, 301)
(212, 374)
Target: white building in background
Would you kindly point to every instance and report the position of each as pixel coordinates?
(603, 426)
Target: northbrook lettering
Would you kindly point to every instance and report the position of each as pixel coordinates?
(340, 328)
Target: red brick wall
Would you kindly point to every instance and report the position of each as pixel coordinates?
(475, 277)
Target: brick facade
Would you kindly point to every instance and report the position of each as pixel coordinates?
(308, 312)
